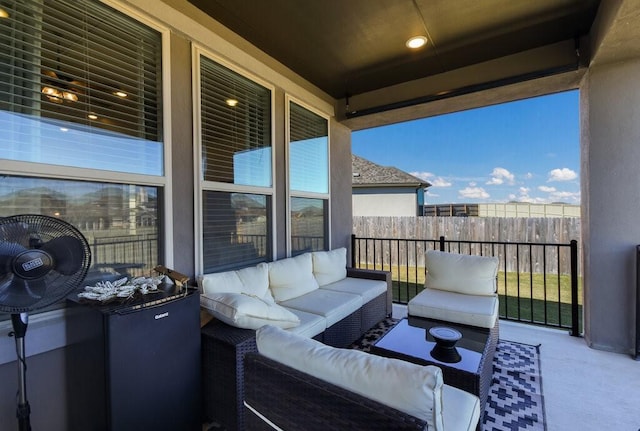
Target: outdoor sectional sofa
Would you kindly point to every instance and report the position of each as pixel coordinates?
(313, 295)
(297, 383)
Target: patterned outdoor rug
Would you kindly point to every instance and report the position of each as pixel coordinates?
(515, 400)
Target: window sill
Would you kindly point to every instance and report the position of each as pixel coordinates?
(45, 332)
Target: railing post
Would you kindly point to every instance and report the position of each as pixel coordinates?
(353, 250)
(575, 313)
(442, 243)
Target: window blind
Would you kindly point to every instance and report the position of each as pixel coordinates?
(308, 151)
(80, 85)
(236, 127)
(236, 231)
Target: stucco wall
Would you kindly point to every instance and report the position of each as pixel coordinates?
(385, 204)
(610, 110)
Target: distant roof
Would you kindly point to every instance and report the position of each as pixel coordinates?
(366, 173)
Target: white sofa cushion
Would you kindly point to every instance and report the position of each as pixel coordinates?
(310, 324)
(473, 275)
(367, 289)
(473, 310)
(253, 280)
(333, 306)
(410, 388)
(227, 281)
(460, 409)
(329, 266)
(292, 277)
(245, 311)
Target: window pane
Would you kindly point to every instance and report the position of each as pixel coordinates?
(236, 127)
(236, 230)
(308, 151)
(308, 225)
(83, 95)
(119, 221)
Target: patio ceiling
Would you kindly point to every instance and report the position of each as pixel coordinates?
(355, 50)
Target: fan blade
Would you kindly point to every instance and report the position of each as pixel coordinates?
(8, 250)
(67, 253)
(18, 293)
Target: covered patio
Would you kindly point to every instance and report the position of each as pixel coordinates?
(583, 388)
(333, 67)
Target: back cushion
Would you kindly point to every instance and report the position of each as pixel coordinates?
(291, 277)
(410, 388)
(255, 281)
(329, 266)
(460, 273)
(220, 282)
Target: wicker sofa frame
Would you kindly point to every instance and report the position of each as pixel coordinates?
(224, 348)
(293, 400)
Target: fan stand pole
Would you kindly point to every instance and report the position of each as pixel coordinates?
(20, 322)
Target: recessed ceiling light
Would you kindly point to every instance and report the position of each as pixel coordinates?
(120, 94)
(231, 102)
(92, 117)
(416, 42)
(3, 13)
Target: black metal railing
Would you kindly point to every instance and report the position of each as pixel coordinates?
(130, 255)
(537, 283)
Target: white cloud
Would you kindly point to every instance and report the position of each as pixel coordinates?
(546, 189)
(423, 175)
(569, 197)
(431, 177)
(563, 174)
(499, 176)
(473, 192)
(528, 176)
(441, 182)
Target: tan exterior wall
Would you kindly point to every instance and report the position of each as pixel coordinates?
(396, 204)
(610, 100)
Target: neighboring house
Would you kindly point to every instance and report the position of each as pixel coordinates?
(385, 190)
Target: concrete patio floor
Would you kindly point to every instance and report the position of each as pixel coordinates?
(584, 389)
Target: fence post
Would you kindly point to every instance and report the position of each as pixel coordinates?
(442, 243)
(575, 309)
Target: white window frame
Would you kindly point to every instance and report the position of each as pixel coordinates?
(51, 325)
(300, 194)
(201, 185)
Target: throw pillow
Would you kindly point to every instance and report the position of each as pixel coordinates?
(330, 266)
(246, 311)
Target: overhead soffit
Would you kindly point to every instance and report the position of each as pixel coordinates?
(356, 48)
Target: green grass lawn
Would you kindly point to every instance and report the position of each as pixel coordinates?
(522, 295)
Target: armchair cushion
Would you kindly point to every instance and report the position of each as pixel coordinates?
(460, 273)
(473, 310)
(416, 390)
(292, 277)
(329, 266)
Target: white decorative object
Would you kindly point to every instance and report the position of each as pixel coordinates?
(123, 289)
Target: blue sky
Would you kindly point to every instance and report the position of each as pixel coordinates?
(524, 151)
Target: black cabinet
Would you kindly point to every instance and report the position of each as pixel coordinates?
(135, 366)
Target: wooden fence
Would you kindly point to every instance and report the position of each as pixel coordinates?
(481, 229)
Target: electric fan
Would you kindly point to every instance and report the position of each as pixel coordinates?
(42, 259)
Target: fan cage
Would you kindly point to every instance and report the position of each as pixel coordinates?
(19, 231)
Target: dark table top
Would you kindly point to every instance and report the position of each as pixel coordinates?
(410, 340)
